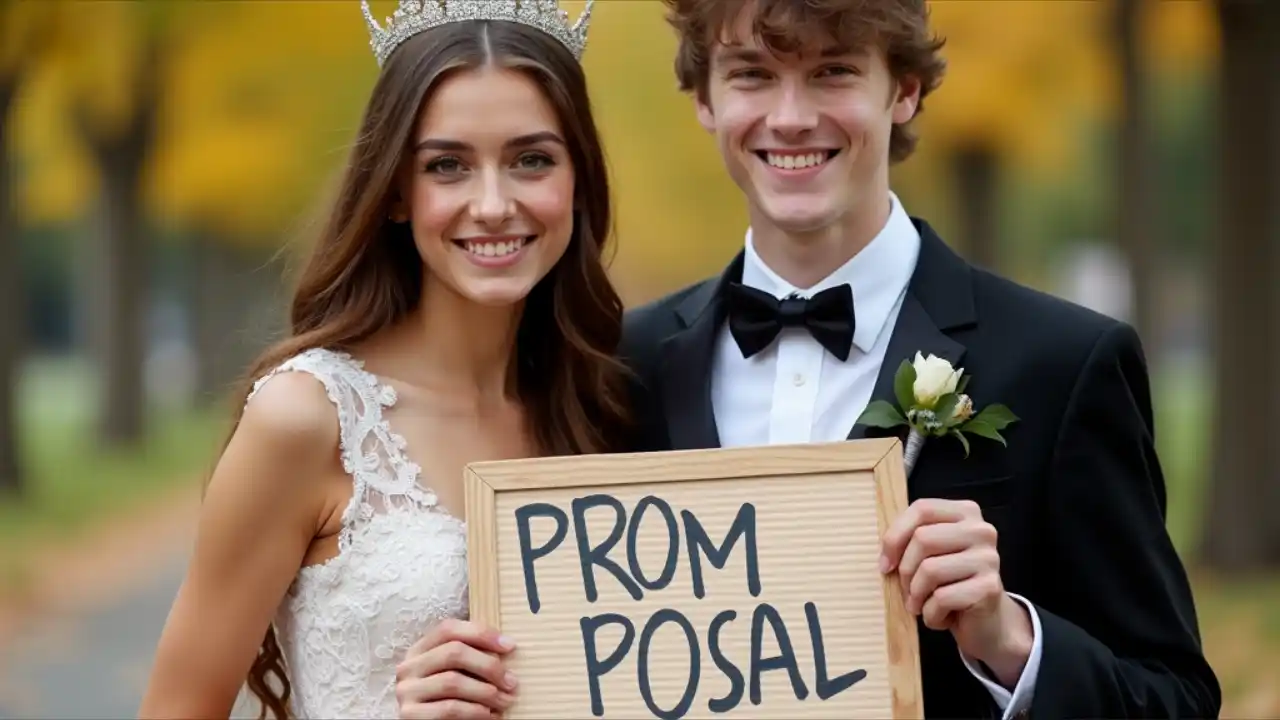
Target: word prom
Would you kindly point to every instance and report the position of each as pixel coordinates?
(595, 558)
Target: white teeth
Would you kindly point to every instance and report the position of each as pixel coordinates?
(491, 249)
(795, 162)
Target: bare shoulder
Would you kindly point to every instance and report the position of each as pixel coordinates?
(291, 411)
(280, 472)
(284, 449)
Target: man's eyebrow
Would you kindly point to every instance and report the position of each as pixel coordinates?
(748, 55)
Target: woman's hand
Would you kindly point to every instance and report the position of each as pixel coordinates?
(456, 671)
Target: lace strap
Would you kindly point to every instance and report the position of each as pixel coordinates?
(372, 454)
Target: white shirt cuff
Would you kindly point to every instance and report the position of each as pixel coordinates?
(1011, 704)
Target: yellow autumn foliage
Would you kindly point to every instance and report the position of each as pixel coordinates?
(20, 24)
(57, 179)
(678, 215)
(1180, 36)
(261, 99)
(1023, 74)
(244, 108)
(245, 102)
(1020, 76)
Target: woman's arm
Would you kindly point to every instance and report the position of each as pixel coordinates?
(265, 504)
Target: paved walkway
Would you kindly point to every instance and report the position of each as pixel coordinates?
(90, 665)
(85, 649)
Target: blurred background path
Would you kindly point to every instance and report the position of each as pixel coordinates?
(81, 643)
(104, 655)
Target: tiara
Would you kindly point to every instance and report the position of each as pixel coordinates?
(415, 16)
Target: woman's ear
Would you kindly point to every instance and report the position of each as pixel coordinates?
(399, 211)
(401, 188)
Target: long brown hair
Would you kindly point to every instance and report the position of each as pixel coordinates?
(364, 272)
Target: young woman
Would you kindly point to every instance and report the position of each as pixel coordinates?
(455, 309)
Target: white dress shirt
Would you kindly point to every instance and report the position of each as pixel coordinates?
(794, 391)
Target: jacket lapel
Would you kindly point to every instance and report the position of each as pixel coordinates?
(939, 301)
(686, 365)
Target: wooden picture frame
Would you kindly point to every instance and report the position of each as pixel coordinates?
(493, 487)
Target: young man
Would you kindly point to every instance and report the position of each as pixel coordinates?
(1081, 608)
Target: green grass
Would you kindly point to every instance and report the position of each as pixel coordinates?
(72, 481)
(1182, 400)
(1239, 618)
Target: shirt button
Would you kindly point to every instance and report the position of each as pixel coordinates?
(797, 379)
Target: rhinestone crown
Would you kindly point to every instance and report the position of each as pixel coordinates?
(415, 16)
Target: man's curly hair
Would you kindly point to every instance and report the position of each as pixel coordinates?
(898, 28)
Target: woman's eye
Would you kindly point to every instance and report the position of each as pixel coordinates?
(535, 161)
(444, 166)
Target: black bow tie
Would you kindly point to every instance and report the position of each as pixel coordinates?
(756, 318)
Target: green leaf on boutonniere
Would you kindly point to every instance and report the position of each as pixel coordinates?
(904, 386)
(945, 409)
(963, 440)
(982, 428)
(996, 416)
(882, 415)
(964, 383)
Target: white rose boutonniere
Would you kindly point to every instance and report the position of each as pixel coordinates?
(932, 403)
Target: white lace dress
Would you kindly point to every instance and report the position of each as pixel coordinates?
(401, 564)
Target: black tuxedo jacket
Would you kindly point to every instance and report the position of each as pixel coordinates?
(1078, 497)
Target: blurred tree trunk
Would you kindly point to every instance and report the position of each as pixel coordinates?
(1137, 225)
(25, 30)
(1241, 532)
(11, 304)
(121, 270)
(977, 168)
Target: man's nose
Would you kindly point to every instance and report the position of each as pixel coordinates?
(794, 113)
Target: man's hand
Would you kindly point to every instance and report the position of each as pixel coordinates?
(946, 559)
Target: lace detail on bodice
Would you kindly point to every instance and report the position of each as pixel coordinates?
(401, 565)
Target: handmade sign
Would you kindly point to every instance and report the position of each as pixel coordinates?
(736, 583)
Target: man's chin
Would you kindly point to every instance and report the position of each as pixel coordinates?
(800, 218)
